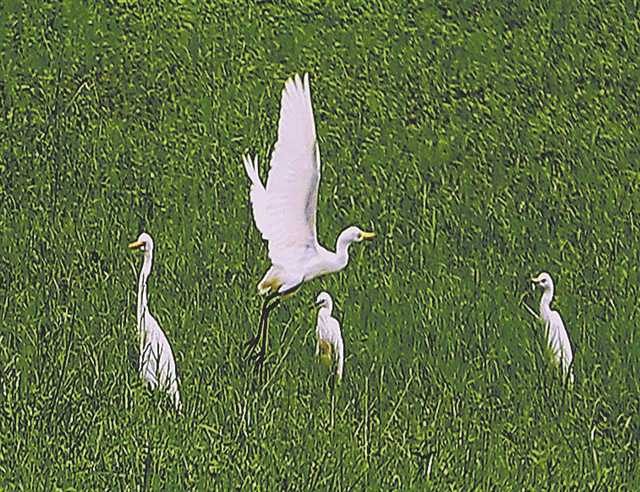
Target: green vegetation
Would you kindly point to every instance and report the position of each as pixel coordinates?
(484, 142)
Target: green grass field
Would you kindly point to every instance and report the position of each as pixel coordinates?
(483, 141)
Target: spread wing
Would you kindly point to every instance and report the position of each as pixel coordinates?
(285, 210)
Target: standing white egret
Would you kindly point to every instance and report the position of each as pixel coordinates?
(285, 209)
(329, 345)
(156, 364)
(557, 338)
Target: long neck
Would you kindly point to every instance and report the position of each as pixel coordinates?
(142, 288)
(326, 310)
(342, 252)
(545, 302)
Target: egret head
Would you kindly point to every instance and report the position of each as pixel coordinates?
(543, 281)
(355, 234)
(144, 243)
(324, 300)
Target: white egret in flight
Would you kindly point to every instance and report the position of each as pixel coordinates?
(284, 209)
(329, 345)
(557, 337)
(156, 364)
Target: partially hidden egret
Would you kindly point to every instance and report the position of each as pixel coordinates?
(285, 209)
(557, 337)
(329, 345)
(156, 364)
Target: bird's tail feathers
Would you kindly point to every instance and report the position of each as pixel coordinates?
(251, 166)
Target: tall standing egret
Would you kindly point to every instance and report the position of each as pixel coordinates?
(285, 209)
(329, 345)
(156, 364)
(557, 337)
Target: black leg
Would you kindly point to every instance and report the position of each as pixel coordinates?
(261, 337)
(253, 342)
(289, 292)
(264, 335)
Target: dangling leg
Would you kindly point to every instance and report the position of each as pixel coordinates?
(253, 342)
(283, 293)
(264, 335)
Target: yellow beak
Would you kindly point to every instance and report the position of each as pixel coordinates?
(535, 280)
(367, 235)
(136, 245)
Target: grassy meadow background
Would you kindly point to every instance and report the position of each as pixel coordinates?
(483, 141)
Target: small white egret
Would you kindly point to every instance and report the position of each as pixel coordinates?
(156, 364)
(329, 345)
(557, 338)
(285, 209)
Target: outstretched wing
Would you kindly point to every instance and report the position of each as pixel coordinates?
(285, 210)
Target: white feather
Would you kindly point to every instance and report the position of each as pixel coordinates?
(328, 330)
(285, 210)
(558, 341)
(557, 336)
(156, 364)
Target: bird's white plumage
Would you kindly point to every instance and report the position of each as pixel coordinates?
(557, 337)
(285, 209)
(558, 341)
(156, 364)
(328, 331)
